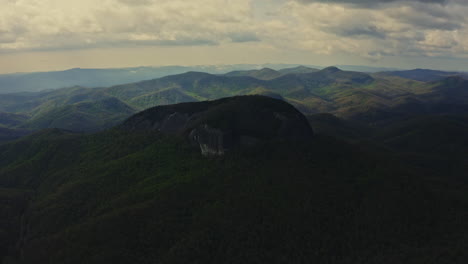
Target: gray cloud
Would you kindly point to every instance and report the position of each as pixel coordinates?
(370, 31)
(356, 30)
(135, 2)
(240, 37)
(428, 22)
(379, 3)
(377, 29)
(27, 25)
(367, 29)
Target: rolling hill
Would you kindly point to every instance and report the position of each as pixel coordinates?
(142, 196)
(39, 81)
(297, 70)
(11, 119)
(83, 116)
(9, 134)
(376, 99)
(424, 75)
(263, 74)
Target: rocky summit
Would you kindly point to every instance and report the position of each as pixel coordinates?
(221, 125)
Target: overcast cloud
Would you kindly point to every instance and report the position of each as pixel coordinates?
(379, 3)
(372, 30)
(54, 24)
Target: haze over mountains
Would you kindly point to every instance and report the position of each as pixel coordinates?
(226, 158)
(37, 81)
(367, 97)
(293, 165)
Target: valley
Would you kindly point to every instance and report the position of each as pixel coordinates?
(289, 166)
(376, 98)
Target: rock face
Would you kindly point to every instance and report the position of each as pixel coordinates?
(212, 141)
(221, 125)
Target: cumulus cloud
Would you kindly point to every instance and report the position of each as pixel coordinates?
(379, 3)
(55, 24)
(373, 29)
(370, 29)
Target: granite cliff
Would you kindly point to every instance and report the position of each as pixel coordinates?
(220, 125)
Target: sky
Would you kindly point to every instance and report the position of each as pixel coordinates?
(46, 35)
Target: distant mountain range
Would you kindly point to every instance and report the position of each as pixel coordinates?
(38, 81)
(373, 98)
(264, 165)
(425, 75)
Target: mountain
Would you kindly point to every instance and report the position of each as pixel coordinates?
(134, 194)
(9, 134)
(162, 97)
(424, 75)
(269, 74)
(328, 124)
(263, 74)
(190, 86)
(376, 99)
(297, 70)
(35, 103)
(12, 119)
(221, 125)
(74, 108)
(202, 86)
(436, 134)
(333, 166)
(9, 126)
(34, 82)
(368, 69)
(82, 116)
(81, 77)
(454, 88)
(39, 81)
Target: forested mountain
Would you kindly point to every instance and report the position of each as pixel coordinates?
(377, 98)
(205, 161)
(382, 177)
(37, 81)
(143, 192)
(424, 75)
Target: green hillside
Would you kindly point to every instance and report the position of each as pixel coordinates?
(12, 119)
(83, 116)
(297, 70)
(377, 99)
(144, 197)
(328, 124)
(9, 134)
(424, 75)
(163, 97)
(262, 74)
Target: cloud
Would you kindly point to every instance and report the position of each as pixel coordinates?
(375, 29)
(135, 2)
(240, 37)
(357, 31)
(380, 3)
(368, 29)
(54, 24)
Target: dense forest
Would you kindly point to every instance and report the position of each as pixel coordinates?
(379, 177)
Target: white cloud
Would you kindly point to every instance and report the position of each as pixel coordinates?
(409, 28)
(390, 28)
(54, 24)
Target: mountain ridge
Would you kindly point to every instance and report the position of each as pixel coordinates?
(125, 196)
(372, 98)
(218, 126)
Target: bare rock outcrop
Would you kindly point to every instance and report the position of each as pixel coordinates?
(221, 125)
